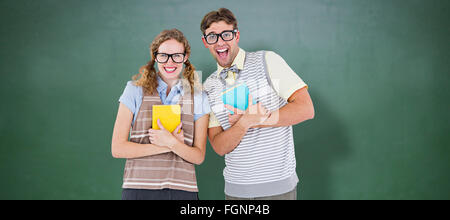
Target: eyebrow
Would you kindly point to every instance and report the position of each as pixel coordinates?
(211, 33)
(218, 33)
(171, 53)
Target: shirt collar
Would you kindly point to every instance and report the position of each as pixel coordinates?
(238, 61)
(162, 86)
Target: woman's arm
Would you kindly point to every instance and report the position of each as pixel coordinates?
(121, 147)
(194, 154)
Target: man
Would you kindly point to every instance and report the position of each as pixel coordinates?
(257, 142)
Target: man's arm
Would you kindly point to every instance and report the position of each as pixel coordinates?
(290, 87)
(223, 142)
(299, 109)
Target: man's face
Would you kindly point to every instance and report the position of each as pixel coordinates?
(223, 51)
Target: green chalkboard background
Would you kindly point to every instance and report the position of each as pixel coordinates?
(377, 70)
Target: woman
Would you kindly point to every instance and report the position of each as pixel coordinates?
(160, 164)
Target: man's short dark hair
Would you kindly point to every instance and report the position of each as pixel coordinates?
(222, 14)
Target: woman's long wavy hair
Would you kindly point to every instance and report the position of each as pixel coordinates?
(147, 76)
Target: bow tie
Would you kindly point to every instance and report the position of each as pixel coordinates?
(224, 73)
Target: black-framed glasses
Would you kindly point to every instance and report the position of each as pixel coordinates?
(164, 57)
(225, 35)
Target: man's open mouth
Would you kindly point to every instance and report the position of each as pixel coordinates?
(222, 53)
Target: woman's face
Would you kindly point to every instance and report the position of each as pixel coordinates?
(170, 59)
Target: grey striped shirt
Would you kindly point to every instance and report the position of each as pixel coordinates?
(263, 164)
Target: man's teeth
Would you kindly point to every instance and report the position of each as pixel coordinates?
(221, 51)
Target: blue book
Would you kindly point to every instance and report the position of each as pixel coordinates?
(237, 96)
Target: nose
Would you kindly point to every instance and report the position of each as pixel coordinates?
(220, 42)
(170, 61)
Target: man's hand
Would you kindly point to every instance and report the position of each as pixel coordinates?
(254, 115)
(234, 118)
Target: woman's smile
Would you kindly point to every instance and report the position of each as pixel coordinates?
(170, 70)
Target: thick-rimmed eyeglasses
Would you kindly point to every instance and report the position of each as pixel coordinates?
(228, 35)
(164, 57)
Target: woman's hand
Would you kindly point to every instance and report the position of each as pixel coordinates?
(177, 134)
(163, 137)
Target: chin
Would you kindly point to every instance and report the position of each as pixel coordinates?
(170, 76)
(223, 63)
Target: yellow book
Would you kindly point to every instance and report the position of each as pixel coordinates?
(169, 115)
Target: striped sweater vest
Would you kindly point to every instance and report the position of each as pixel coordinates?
(166, 170)
(264, 155)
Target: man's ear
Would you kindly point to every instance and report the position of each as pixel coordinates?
(238, 34)
(204, 42)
